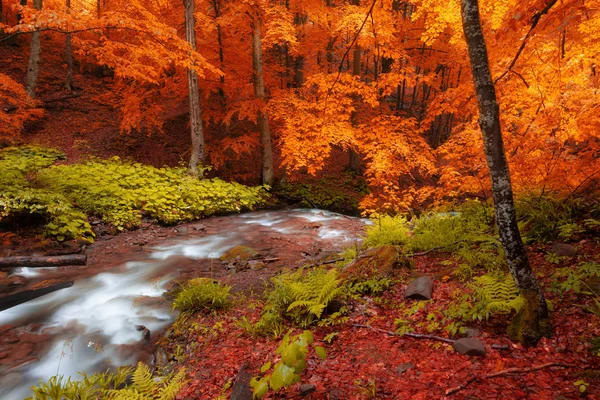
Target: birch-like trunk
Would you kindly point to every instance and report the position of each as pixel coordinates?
(532, 322)
(33, 67)
(197, 133)
(262, 118)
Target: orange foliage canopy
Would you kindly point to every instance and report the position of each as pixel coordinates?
(389, 81)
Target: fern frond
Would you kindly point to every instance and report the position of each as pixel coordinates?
(142, 379)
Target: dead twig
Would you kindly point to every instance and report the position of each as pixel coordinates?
(425, 336)
(506, 372)
(424, 253)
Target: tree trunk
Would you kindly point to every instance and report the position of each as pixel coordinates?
(259, 92)
(34, 58)
(69, 56)
(354, 162)
(197, 133)
(532, 322)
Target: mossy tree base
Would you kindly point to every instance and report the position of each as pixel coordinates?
(532, 322)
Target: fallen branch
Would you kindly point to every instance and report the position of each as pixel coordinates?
(13, 300)
(40, 262)
(506, 372)
(425, 336)
(412, 335)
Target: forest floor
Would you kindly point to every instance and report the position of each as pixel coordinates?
(368, 363)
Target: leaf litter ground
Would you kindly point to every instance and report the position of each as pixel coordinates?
(364, 363)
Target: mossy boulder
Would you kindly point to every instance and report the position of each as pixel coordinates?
(385, 261)
(239, 253)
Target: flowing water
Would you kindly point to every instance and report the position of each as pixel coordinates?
(94, 324)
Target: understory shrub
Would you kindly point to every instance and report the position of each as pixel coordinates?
(202, 294)
(387, 230)
(123, 384)
(119, 192)
(551, 217)
(487, 295)
(341, 193)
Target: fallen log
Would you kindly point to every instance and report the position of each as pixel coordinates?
(13, 300)
(43, 261)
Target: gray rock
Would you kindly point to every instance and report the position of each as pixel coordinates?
(306, 389)
(420, 289)
(402, 368)
(469, 347)
(471, 332)
(564, 249)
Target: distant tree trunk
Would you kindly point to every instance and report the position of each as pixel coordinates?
(197, 132)
(354, 163)
(531, 323)
(259, 92)
(69, 56)
(34, 58)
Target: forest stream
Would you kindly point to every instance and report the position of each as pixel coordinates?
(115, 310)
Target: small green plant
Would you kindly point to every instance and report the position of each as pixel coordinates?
(202, 294)
(570, 279)
(550, 217)
(300, 297)
(293, 351)
(581, 385)
(489, 294)
(387, 230)
(367, 388)
(374, 286)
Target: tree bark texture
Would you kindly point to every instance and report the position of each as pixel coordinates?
(262, 117)
(69, 56)
(197, 132)
(34, 58)
(531, 323)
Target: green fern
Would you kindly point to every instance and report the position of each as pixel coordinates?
(112, 386)
(499, 294)
(314, 291)
(301, 297)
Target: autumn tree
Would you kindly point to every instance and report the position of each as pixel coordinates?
(197, 132)
(532, 322)
(262, 118)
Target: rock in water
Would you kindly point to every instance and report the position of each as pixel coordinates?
(239, 252)
(469, 347)
(420, 289)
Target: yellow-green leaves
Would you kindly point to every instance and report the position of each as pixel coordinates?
(293, 351)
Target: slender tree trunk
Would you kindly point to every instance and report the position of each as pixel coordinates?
(259, 91)
(197, 133)
(354, 162)
(69, 56)
(532, 322)
(34, 58)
